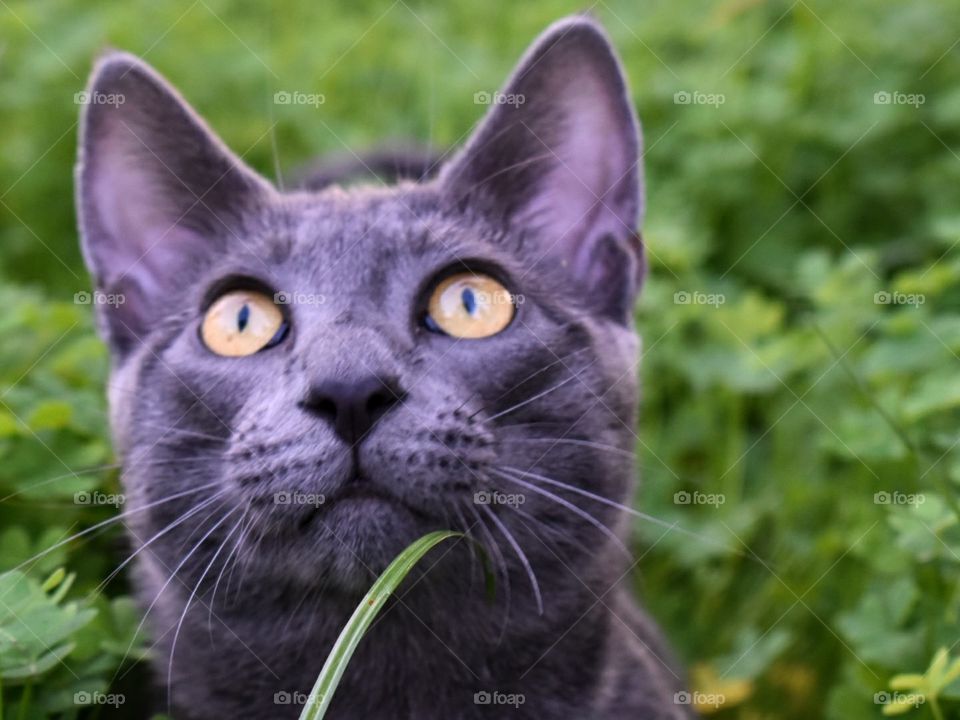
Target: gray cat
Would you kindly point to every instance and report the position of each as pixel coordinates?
(305, 382)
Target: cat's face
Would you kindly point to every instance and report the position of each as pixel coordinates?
(303, 364)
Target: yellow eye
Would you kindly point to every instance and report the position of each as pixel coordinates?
(241, 322)
(470, 306)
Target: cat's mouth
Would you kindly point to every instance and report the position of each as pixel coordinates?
(344, 522)
(358, 494)
(348, 538)
(357, 491)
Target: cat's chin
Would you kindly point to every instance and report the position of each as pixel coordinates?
(345, 543)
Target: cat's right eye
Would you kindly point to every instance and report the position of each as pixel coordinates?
(470, 306)
(242, 322)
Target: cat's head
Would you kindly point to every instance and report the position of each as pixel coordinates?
(327, 376)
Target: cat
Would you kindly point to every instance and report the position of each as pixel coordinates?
(304, 382)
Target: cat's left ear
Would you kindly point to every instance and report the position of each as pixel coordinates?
(556, 160)
(158, 195)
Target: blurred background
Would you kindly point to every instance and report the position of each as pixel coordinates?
(801, 317)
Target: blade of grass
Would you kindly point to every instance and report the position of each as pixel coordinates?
(351, 635)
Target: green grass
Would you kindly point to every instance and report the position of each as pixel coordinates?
(797, 399)
(320, 697)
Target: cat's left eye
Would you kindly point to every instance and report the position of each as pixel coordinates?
(470, 305)
(242, 322)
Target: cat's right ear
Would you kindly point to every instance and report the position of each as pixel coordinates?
(556, 162)
(158, 194)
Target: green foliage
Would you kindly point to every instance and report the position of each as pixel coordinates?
(55, 655)
(938, 682)
(823, 414)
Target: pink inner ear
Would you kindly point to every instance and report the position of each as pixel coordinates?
(118, 195)
(582, 195)
(159, 194)
(158, 190)
(146, 242)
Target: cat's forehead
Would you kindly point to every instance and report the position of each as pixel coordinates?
(350, 236)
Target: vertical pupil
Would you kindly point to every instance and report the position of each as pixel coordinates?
(469, 301)
(243, 317)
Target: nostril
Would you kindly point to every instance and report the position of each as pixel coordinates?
(376, 402)
(381, 401)
(326, 407)
(320, 405)
(352, 407)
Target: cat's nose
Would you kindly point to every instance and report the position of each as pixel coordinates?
(353, 406)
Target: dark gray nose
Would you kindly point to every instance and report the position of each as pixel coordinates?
(353, 406)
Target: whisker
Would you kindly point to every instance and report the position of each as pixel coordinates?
(240, 560)
(536, 423)
(73, 474)
(573, 441)
(184, 543)
(176, 443)
(562, 536)
(524, 560)
(529, 377)
(83, 471)
(184, 517)
(247, 519)
(108, 521)
(624, 508)
(193, 593)
(539, 395)
(501, 561)
(183, 431)
(473, 550)
(569, 506)
(163, 588)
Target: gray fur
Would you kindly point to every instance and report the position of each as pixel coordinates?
(168, 213)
